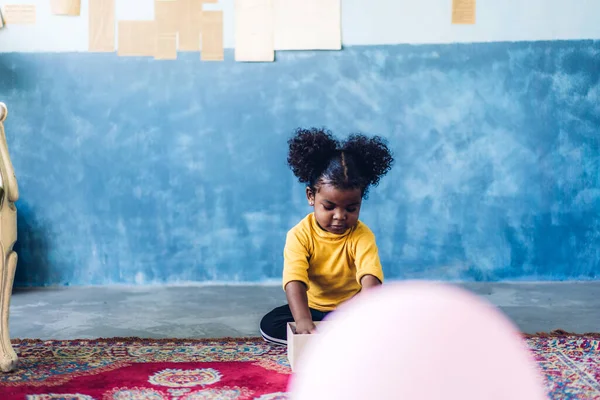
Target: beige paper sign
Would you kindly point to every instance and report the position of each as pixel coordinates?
(65, 7)
(166, 46)
(19, 14)
(190, 23)
(463, 12)
(254, 30)
(137, 38)
(212, 36)
(101, 25)
(167, 15)
(308, 24)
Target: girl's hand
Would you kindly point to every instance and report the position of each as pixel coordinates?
(305, 327)
(298, 301)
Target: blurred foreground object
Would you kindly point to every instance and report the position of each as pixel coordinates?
(417, 340)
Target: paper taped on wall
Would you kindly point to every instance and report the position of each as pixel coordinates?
(137, 38)
(212, 36)
(189, 24)
(65, 7)
(166, 46)
(101, 25)
(167, 14)
(463, 11)
(19, 14)
(254, 30)
(308, 24)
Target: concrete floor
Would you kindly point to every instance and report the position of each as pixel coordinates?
(219, 311)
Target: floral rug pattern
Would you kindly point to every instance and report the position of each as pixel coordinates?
(224, 369)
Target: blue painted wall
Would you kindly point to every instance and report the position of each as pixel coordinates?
(138, 171)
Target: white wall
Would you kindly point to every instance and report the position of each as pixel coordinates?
(364, 22)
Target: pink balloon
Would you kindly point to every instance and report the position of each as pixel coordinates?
(417, 340)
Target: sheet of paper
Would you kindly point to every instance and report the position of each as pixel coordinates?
(212, 36)
(166, 46)
(19, 14)
(65, 7)
(463, 11)
(101, 25)
(308, 24)
(190, 23)
(137, 38)
(167, 16)
(254, 30)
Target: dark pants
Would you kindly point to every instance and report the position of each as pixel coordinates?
(273, 326)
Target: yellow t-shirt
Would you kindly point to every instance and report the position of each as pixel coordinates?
(330, 265)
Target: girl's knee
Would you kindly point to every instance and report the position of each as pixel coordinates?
(265, 322)
(273, 327)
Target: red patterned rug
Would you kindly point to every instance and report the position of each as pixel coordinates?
(132, 369)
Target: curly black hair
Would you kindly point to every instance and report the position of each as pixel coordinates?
(316, 157)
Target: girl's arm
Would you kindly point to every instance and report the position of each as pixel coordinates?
(369, 281)
(368, 266)
(295, 292)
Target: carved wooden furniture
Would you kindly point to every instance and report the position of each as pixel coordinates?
(9, 194)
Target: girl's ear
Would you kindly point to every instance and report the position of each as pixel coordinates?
(310, 196)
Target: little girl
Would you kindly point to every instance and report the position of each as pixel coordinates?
(330, 256)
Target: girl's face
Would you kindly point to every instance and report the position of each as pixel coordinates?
(336, 210)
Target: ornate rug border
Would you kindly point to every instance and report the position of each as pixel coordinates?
(133, 339)
(557, 333)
